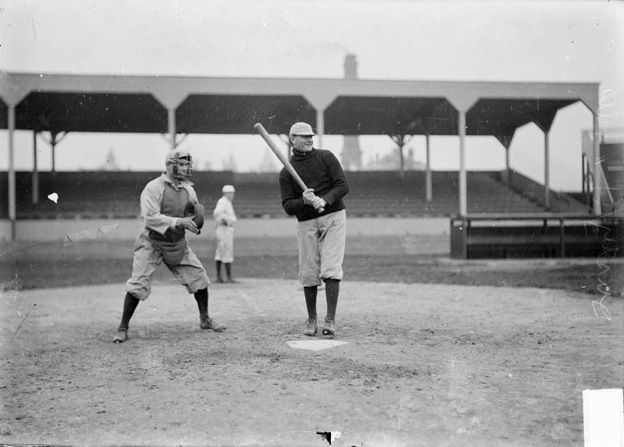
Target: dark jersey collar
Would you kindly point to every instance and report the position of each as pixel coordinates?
(300, 155)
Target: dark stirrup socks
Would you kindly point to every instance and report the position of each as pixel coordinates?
(332, 289)
(228, 270)
(201, 296)
(310, 298)
(130, 304)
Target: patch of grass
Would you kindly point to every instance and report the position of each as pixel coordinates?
(32, 272)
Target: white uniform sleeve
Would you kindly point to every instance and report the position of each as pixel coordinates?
(151, 198)
(224, 211)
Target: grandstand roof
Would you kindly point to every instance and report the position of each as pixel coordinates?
(101, 103)
(177, 104)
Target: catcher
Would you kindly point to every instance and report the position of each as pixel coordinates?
(169, 207)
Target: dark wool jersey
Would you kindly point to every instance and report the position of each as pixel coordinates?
(320, 170)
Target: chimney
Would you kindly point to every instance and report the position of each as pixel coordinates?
(350, 67)
(351, 152)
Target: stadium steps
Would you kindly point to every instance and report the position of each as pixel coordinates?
(560, 202)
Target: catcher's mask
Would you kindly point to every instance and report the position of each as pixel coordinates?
(179, 165)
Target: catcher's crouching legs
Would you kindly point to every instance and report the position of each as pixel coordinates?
(205, 322)
(130, 304)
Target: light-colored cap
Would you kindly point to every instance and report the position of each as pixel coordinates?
(228, 188)
(301, 129)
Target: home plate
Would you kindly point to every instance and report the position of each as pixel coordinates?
(315, 345)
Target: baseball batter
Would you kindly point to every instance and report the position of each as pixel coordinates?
(225, 218)
(169, 208)
(320, 235)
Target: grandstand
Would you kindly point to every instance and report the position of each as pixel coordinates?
(106, 194)
(176, 106)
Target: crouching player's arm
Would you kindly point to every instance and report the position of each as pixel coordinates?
(151, 198)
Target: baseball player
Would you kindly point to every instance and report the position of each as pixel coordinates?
(225, 218)
(320, 234)
(169, 207)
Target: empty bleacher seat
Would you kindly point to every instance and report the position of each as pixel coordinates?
(106, 194)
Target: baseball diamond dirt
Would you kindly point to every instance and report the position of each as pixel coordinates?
(424, 365)
(435, 364)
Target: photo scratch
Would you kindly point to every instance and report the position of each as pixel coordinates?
(19, 326)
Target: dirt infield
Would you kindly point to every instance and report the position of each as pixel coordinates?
(424, 365)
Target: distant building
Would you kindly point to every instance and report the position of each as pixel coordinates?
(229, 164)
(390, 162)
(110, 164)
(351, 153)
(350, 67)
(268, 163)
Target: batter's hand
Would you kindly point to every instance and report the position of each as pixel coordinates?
(318, 204)
(308, 196)
(188, 224)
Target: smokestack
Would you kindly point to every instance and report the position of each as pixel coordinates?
(350, 67)
(351, 152)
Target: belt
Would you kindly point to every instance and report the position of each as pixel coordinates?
(169, 236)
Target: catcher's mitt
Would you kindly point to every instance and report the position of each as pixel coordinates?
(197, 212)
(198, 215)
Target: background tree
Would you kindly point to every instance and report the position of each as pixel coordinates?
(401, 141)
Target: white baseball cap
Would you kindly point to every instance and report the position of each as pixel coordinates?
(301, 128)
(228, 188)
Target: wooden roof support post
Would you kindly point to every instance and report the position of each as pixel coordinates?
(170, 96)
(546, 170)
(463, 193)
(545, 124)
(12, 95)
(507, 167)
(591, 100)
(171, 122)
(463, 102)
(506, 140)
(428, 182)
(596, 168)
(320, 126)
(320, 99)
(11, 177)
(35, 174)
(53, 142)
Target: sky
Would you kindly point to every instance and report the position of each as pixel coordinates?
(568, 41)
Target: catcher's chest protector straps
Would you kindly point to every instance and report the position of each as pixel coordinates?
(174, 202)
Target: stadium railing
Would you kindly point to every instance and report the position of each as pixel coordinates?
(541, 235)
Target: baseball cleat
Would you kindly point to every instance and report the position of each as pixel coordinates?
(121, 336)
(219, 279)
(329, 329)
(209, 323)
(311, 328)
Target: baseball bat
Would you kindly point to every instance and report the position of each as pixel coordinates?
(259, 129)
